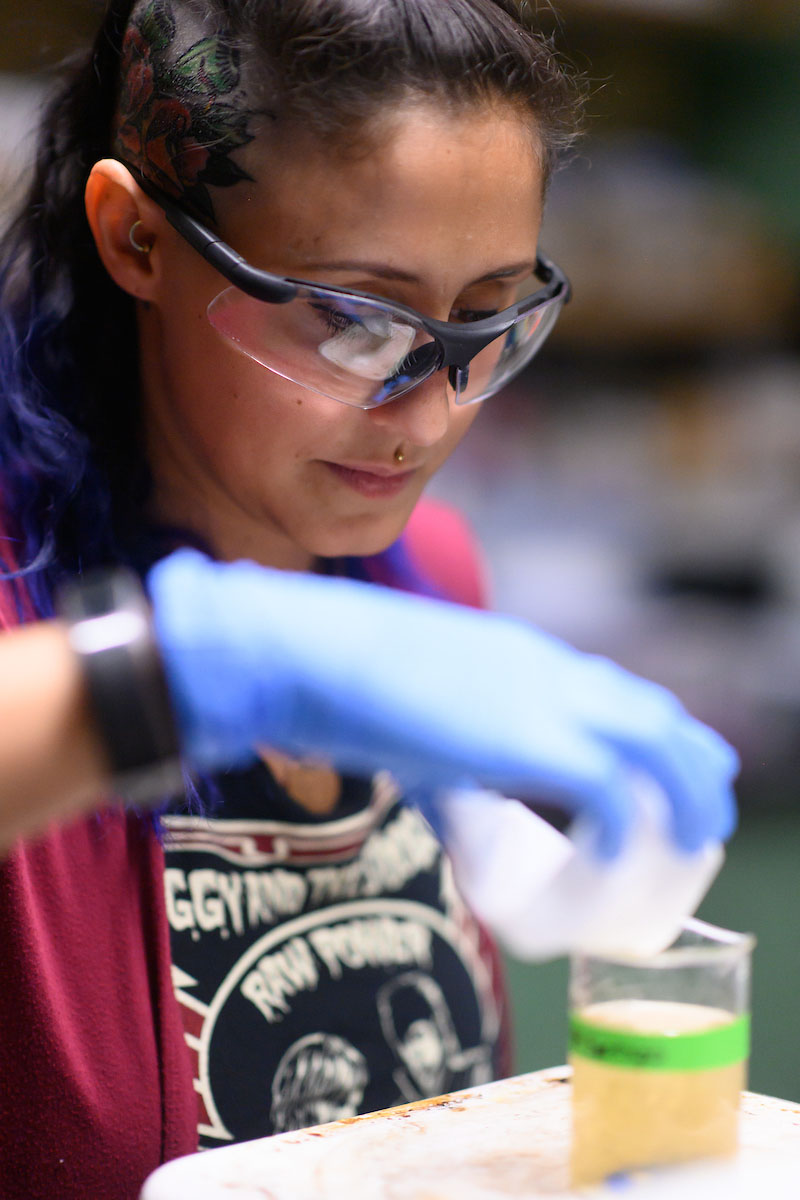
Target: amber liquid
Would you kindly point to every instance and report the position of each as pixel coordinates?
(625, 1118)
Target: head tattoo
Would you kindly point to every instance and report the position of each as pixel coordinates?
(182, 107)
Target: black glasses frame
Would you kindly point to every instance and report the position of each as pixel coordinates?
(458, 343)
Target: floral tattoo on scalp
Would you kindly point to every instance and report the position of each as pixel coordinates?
(181, 110)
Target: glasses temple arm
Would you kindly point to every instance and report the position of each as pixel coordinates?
(231, 265)
(221, 256)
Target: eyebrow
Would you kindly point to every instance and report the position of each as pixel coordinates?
(383, 271)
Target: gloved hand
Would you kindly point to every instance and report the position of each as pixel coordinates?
(438, 694)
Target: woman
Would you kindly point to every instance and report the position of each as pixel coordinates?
(168, 383)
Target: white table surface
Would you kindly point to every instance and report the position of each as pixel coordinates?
(503, 1140)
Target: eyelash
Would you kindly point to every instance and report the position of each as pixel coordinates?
(335, 320)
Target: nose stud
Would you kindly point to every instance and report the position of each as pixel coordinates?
(399, 456)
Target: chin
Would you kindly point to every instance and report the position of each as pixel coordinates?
(359, 539)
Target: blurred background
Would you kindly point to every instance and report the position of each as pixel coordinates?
(638, 492)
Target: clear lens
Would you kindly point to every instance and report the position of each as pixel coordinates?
(506, 356)
(365, 353)
(352, 350)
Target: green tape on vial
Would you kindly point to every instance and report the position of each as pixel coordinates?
(703, 1051)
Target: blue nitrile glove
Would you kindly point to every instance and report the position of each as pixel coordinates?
(370, 679)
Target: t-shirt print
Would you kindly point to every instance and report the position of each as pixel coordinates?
(325, 967)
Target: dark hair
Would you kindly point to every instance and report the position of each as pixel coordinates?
(366, 56)
(74, 475)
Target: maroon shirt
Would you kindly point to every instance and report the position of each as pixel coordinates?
(95, 1078)
(95, 1084)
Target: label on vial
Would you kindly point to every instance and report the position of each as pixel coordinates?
(701, 1050)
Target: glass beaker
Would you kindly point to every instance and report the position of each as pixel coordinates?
(658, 1048)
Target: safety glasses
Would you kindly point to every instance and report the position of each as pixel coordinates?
(361, 349)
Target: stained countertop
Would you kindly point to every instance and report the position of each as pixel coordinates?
(502, 1140)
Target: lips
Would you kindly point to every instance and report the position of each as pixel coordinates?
(373, 480)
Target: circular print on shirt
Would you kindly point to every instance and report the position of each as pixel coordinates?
(345, 1010)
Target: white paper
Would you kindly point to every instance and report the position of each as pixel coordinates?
(544, 895)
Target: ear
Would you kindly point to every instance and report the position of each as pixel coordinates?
(114, 205)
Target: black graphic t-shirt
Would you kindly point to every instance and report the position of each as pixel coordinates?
(325, 963)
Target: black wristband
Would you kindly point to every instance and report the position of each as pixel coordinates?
(111, 631)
